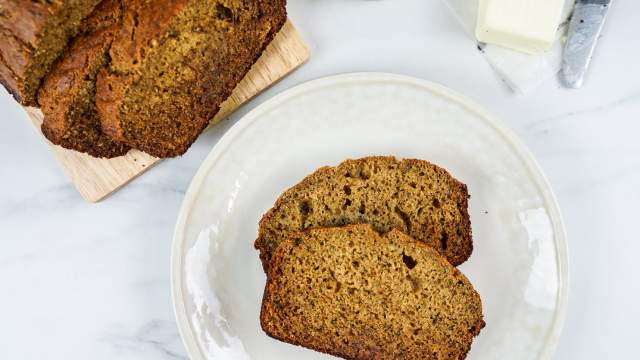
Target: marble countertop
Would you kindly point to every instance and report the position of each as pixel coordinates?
(91, 281)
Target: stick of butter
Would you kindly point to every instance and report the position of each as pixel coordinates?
(524, 25)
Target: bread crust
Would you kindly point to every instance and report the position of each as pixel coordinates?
(461, 237)
(8, 80)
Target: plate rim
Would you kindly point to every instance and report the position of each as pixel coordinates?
(521, 150)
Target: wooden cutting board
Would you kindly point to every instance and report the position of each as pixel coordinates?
(96, 179)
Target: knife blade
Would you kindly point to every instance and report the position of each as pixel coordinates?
(584, 30)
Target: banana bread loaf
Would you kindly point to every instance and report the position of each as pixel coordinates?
(32, 35)
(67, 95)
(173, 65)
(414, 196)
(354, 293)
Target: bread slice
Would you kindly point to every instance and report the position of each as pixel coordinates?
(67, 95)
(32, 35)
(351, 292)
(174, 62)
(414, 196)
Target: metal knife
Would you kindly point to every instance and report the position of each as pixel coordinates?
(584, 30)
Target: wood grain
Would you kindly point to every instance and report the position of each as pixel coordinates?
(96, 179)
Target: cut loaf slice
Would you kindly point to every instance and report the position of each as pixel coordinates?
(414, 196)
(351, 292)
(32, 35)
(174, 62)
(67, 95)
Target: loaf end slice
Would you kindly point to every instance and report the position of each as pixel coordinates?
(172, 66)
(415, 196)
(67, 95)
(352, 292)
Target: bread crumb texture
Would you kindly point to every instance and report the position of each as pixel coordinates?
(414, 196)
(351, 292)
(172, 66)
(67, 95)
(32, 36)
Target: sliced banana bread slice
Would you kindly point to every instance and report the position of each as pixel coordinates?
(174, 62)
(32, 36)
(351, 292)
(67, 95)
(414, 196)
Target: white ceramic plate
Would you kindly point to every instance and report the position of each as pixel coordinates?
(519, 263)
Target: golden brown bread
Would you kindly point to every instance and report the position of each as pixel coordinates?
(67, 95)
(419, 198)
(165, 67)
(173, 65)
(32, 35)
(353, 293)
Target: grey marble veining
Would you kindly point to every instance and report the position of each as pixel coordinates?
(91, 281)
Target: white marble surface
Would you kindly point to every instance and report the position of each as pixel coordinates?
(91, 281)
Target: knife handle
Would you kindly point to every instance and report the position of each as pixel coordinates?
(584, 31)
